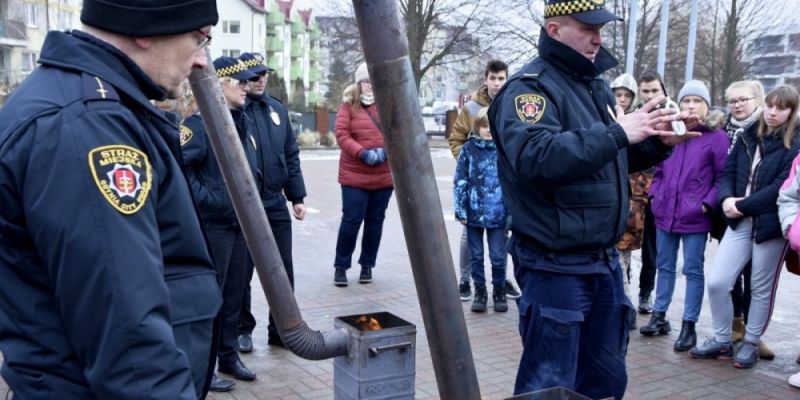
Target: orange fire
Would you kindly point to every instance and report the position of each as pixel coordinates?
(366, 323)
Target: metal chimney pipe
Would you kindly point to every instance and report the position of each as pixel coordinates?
(383, 38)
(295, 333)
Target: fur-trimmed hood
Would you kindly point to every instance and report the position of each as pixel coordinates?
(714, 119)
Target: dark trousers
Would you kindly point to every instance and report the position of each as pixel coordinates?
(281, 223)
(740, 295)
(369, 207)
(647, 276)
(574, 328)
(496, 240)
(231, 258)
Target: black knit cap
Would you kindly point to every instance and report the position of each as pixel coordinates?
(145, 18)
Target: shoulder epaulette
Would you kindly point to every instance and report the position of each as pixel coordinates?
(95, 88)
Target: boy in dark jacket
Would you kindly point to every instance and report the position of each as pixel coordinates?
(478, 203)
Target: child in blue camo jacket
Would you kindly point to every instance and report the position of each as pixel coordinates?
(478, 203)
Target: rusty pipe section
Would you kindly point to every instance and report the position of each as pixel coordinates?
(383, 38)
(296, 334)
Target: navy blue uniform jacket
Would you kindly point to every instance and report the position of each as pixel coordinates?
(278, 154)
(563, 160)
(203, 171)
(104, 269)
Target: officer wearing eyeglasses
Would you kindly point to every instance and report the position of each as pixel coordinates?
(108, 287)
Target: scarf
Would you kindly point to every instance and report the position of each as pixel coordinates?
(367, 99)
(735, 127)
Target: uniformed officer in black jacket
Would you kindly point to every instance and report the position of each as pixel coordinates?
(108, 288)
(281, 179)
(216, 209)
(564, 157)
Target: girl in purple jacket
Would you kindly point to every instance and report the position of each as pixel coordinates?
(683, 196)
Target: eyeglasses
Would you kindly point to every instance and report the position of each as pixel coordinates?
(734, 102)
(243, 84)
(205, 41)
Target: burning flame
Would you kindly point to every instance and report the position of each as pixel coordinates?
(366, 323)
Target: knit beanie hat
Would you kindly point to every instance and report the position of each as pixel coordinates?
(361, 73)
(695, 88)
(145, 18)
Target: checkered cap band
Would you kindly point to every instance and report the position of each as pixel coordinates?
(572, 7)
(254, 62)
(231, 69)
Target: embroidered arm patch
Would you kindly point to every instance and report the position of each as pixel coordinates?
(530, 107)
(122, 175)
(186, 134)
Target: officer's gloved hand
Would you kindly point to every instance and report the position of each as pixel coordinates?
(369, 157)
(381, 154)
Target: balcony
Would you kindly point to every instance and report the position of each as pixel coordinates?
(298, 28)
(13, 33)
(296, 71)
(297, 50)
(275, 18)
(312, 98)
(313, 75)
(274, 44)
(314, 55)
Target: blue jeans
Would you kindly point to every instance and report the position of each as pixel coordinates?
(497, 254)
(694, 247)
(369, 207)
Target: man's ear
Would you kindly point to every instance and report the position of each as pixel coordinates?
(552, 29)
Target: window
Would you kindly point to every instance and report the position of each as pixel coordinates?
(230, 27)
(30, 14)
(28, 61)
(231, 53)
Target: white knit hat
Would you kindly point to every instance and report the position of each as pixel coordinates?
(695, 88)
(361, 73)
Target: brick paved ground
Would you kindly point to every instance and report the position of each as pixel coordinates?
(655, 371)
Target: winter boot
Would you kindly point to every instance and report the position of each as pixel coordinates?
(765, 352)
(499, 298)
(479, 302)
(631, 319)
(687, 339)
(658, 324)
(737, 332)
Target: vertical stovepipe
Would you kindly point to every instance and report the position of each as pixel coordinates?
(383, 38)
(295, 333)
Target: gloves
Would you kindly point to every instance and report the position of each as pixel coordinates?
(370, 157)
(381, 154)
(373, 156)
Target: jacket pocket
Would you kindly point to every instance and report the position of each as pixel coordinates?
(193, 297)
(586, 211)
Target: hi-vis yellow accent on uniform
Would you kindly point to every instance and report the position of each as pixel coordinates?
(186, 134)
(123, 175)
(530, 107)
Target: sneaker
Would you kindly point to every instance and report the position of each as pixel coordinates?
(479, 303)
(366, 274)
(747, 356)
(794, 380)
(464, 291)
(499, 299)
(711, 349)
(340, 277)
(511, 291)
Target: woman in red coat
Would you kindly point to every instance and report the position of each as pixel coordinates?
(365, 178)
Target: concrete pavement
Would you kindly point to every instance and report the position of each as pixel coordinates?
(655, 371)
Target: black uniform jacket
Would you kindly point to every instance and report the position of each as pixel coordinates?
(278, 154)
(102, 258)
(203, 172)
(563, 160)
